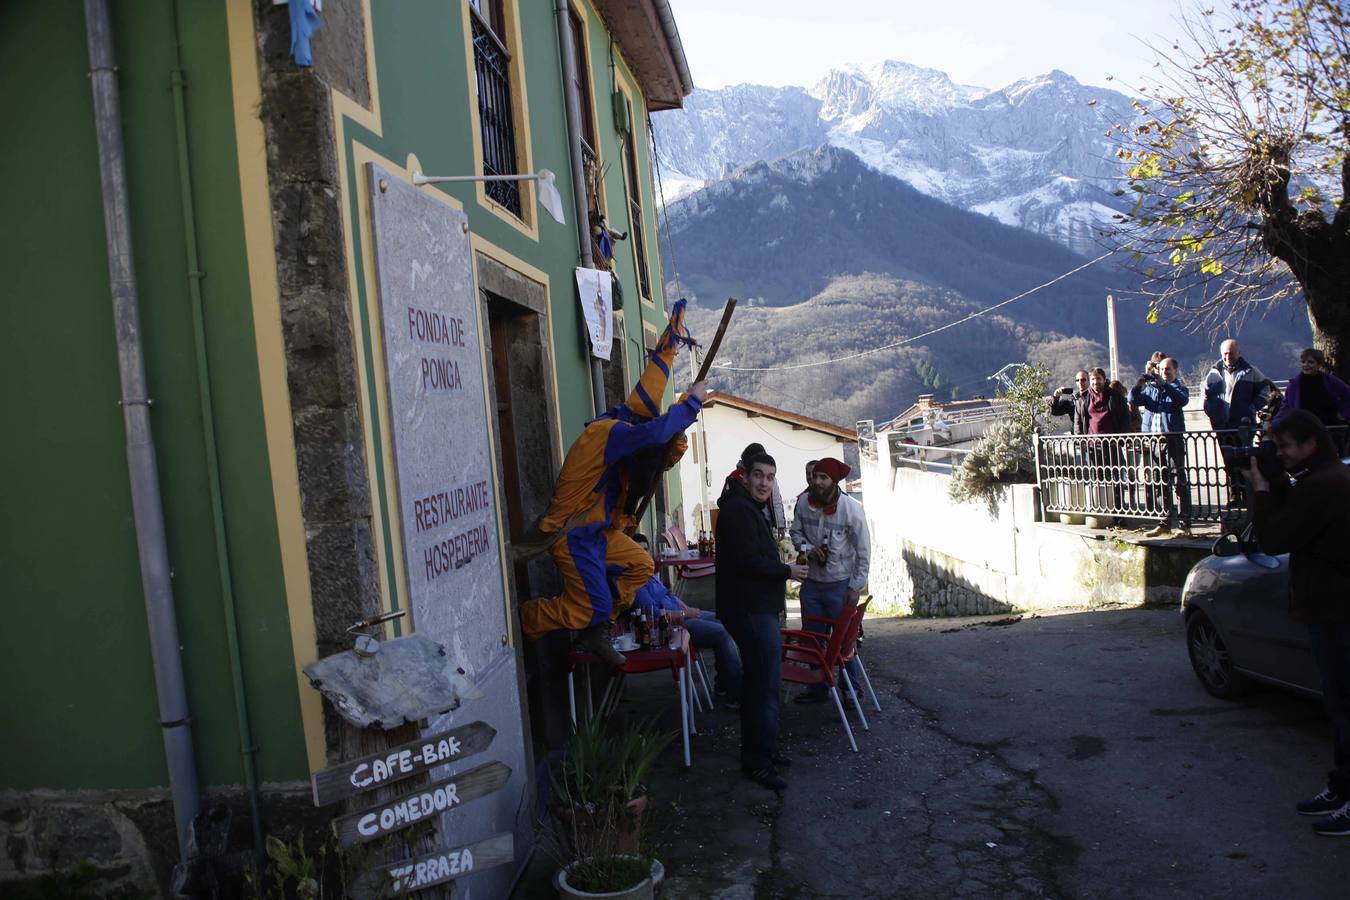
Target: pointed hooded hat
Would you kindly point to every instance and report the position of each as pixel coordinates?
(645, 400)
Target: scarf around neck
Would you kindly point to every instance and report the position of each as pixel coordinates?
(830, 504)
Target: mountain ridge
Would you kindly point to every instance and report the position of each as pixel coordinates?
(1031, 154)
(831, 257)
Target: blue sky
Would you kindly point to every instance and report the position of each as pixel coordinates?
(988, 43)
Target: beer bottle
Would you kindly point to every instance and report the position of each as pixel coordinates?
(642, 632)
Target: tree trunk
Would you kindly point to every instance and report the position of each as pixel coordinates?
(1328, 296)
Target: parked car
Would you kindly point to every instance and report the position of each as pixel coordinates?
(1238, 628)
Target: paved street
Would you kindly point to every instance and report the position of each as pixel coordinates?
(1065, 756)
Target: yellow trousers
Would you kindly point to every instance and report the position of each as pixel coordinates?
(602, 570)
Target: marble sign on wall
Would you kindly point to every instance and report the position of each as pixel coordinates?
(446, 495)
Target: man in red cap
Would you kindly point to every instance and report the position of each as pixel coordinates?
(829, 527)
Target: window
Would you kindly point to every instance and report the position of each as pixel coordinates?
(492, 66)
(583, 84)
(590, 160)
(635, 205)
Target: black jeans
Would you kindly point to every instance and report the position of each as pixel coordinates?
(1237, 477)
(1331, 651)
(1169, 452)
(758, 637)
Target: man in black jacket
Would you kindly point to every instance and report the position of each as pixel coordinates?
(1073, 403)
(1311, 522)
(751, 588)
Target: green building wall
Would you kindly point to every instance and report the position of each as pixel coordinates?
(81, 693)
(81, 702)
(424, 98)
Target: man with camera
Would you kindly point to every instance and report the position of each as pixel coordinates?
(1310, 521)
(1160, 394)
(1073, 402)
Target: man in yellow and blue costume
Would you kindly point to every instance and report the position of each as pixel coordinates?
(605, 475)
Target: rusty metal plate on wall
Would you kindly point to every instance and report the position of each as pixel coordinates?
(408, 679)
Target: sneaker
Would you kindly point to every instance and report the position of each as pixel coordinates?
(1326, 802)
(731, 702)
(1157, 531)
(1181, 531)
(596, 640)
(767, 776)
(1335, 825)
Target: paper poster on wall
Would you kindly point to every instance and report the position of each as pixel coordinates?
(596, 289)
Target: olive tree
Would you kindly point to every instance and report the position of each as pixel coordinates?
(1237, 160)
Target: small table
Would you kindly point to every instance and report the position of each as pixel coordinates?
(679, 562)
(676, 659)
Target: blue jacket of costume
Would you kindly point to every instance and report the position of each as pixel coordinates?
(1166, 399)
(655, 595)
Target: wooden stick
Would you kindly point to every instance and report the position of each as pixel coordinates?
(702, 374)
(717, 340)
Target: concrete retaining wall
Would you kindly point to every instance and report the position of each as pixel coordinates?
(932, 556)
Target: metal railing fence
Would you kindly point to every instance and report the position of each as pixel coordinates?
(1145, 476)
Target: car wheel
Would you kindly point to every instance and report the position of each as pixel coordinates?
(1211, 660)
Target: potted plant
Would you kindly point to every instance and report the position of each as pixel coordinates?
(599, 797)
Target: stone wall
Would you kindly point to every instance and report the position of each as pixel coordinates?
(123, 844)
(937, 589)
(311, 259)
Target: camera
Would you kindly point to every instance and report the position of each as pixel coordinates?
(1267, 462)
(1066, 390)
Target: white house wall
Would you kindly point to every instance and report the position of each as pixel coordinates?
(728, 430)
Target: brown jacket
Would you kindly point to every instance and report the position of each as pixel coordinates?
(1311, 522)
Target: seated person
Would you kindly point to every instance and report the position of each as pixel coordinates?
(704, 627)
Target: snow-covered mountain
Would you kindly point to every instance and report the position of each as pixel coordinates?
(1032, 154)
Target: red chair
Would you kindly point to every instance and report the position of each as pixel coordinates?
(847, 651)
(637, 662)
(674, 538)
(851, 652)
(810, 658)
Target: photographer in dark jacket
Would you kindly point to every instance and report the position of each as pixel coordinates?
(1311, 522)
(1073, 402)
(751, 588)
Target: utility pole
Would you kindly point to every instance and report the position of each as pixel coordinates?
(1111, 335)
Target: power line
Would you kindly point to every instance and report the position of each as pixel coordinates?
(919, 337)
(663, 221)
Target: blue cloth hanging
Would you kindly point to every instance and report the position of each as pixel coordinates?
(304, 22)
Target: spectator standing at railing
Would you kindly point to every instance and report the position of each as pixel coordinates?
(1151, 367)
(1317, 390)
(1235, 391)
(1073, 402)
(1107, 411)
(1133, 418)
(1162, 398)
